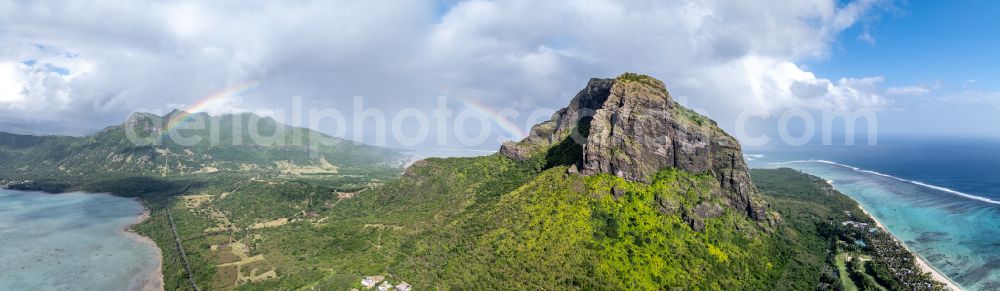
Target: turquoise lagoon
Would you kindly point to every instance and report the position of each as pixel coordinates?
(73, 241)
(941, 198)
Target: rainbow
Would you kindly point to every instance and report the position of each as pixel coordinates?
(207, 101)
(497, 117)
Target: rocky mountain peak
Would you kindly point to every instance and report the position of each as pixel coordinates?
(141, 122)
(630, 127)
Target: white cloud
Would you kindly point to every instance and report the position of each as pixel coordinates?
(727, 55)
(909, 90)
(765, 85)
(971, 98)
(11, 83)
(43, 82)
(867, 37)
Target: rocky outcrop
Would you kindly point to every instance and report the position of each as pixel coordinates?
(696, 217)
(140, 122)
(630, 127)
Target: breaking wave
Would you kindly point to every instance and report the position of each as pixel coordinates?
(918, 183)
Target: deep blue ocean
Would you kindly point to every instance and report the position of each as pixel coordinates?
(940, 197)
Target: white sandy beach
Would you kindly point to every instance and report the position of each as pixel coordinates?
(926, 267)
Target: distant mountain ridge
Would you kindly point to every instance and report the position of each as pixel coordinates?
(149, 144)
(44, 128)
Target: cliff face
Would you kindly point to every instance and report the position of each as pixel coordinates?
(630, 127)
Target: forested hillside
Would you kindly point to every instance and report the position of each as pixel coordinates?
(839, 244)
(587, 201)
(184, 146)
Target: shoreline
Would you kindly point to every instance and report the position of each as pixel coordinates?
(151, 280)
(921, 262)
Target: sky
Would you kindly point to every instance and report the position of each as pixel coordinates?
(924, 68)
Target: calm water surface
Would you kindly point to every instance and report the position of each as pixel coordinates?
(71, 241)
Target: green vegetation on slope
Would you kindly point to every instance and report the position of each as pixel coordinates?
(496, 223)
(567, 231)
(491, 222)
(242, 143)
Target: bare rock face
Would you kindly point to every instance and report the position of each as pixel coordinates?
(143, 122)
(630, 127)
(696, 219)
(564, 123)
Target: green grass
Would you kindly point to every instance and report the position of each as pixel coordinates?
(845, 278)
(633, 77)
